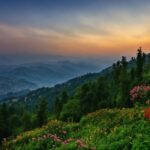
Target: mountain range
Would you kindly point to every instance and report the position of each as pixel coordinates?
(25, 77)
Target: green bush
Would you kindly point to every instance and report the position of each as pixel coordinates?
(71, 111)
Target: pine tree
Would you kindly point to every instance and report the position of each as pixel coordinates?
(5, 129)
(124, 84)
(132, 74)
(139, 64)
(42, 113)
(64, 97)
(26, 120)
(57, 107)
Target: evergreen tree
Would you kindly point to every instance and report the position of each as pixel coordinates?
(71, 111)
(59, 102)
(102, 93)
(124, 63)
(42, 113)
(64, 97)
(132, 74)
(148, 57)
(84, 97)
(15, 123)
(57, 107)
(26, 121)
(139, 64)
(124, 84)
(5, 129)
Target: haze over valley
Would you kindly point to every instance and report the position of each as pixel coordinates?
(23, 74)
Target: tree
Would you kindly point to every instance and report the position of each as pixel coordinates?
(64, 97)
(5, 129)
(59, 102)
(116, 70)
(57, 107)
(124, 63)
(85, 97)
(26, 121)
(42, 113)
(101, 94)
(132, 74)
(124, 84)
(71, 111)
(139, 64)
(15, 123)
(148, 57)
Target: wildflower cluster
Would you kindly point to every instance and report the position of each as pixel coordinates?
(54, 138)
(81, 144)
(139, 92)
(47, 136)
(58, 140)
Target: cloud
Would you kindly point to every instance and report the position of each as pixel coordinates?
(110, 32)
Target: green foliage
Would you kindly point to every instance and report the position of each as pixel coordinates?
(42, 113)
(109, 90)
(140, 63)
(26, 119)
(4, 122)
(59, 103)
(106, 129)
(71, 111)
(15, 119)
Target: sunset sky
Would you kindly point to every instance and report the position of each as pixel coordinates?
(74, 27)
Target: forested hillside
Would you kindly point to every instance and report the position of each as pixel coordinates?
(118, 96)
(111, 90)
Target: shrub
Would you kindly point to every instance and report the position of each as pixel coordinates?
(139, 93)
(71, 111)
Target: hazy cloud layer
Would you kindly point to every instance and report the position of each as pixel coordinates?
(77, 28)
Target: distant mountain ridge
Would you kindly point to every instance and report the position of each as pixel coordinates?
(49, 93)
(30, 76)
(9, 84)
(33, 97)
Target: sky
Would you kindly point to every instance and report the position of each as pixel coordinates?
(105, 28)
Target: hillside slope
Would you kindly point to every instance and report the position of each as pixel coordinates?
(106, 129)
(42, 74)
(49, 93)
(33, 97)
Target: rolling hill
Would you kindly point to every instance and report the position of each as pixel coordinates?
(31, 76)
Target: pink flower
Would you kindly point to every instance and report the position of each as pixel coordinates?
(138, 92)
(81, 144)
(64, 132)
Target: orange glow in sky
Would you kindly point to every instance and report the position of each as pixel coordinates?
(115, 30)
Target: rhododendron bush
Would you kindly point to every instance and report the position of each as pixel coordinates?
(140, 93)
(105, 129)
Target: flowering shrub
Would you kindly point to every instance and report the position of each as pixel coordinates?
(104, 129)
(147, 114)
(53, 135)
(58, 140)
(139, 93)
(81, 144)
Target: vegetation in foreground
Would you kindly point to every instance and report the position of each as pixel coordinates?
(106, 129)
